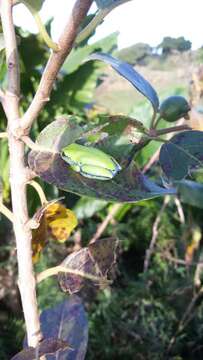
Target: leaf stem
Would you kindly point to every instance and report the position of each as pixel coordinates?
(98, 18)
(5, 211)
(57, 269)
(42, 30)
(39, 190)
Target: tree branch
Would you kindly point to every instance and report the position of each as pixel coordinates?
(18, 178)
(105, 222)
(55, 62)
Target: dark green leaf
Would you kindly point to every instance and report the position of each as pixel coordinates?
(181, 154)
(191, 193)
(128, 186)
(130, 74)
(68, 321)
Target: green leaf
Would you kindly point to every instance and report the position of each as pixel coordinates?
(128, 186)
(191, 193)
(130, 74)
(182, 153)
(79, 54)
(87, 207)
(68, 321)
(34, 5)
(59, 133)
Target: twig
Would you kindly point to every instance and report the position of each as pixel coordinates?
(151, 161)
(39, 190)
(154, 133)
(180, 210)
(105, 222)
(5, 211)
(186, 318)
(155, 233)
(55, 62)
(57, 269)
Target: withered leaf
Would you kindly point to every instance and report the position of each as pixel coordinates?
(94, 261)
(79, 260)
(47, 346)
(103, 253)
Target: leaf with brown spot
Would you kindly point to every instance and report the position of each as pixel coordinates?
(103, 252)
(47, 346)
(60, 221)
(79, 260)
(52, 219)
(94, 261)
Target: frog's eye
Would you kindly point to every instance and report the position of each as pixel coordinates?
(96, 172)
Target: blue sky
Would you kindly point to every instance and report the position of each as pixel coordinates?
(137, 21)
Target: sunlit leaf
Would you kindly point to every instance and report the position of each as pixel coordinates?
(130, 74)
(60, 221)
(60, 133)
(47, 346)
(182, 153)
(67, 321)
(195, 235)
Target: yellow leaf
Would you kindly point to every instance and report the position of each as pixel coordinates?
(60, 221)
(55, 219)
(39, 237)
